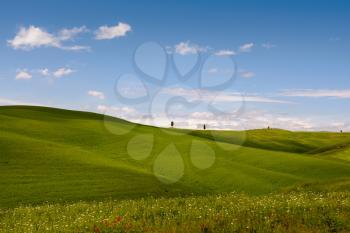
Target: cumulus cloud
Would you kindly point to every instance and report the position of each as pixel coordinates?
(185, 48)
(62, 72)
(23, 75)
(111, 32)
(225, 53)
(342, 93)
(35, 37)
(97, 94)
(32, 37)
(246, 47)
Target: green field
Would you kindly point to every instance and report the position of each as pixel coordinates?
(70, 158)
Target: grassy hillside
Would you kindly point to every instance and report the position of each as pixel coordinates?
(280, 140)
(59, 155)
(232, 212)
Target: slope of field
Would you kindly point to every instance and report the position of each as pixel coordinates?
(280, 140)
(58, 155)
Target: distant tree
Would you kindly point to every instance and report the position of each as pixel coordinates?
(172, 124)
(268, 127)
(341, 131)
(204, 127)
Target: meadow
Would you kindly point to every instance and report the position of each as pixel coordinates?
(231, 212)
(71, 171)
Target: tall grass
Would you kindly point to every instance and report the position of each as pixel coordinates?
(291, 212)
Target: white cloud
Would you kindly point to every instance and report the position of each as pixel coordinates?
(247, 74)
(343, 93)
(23, 75)
(268, 45)
(107, 33)
(77, 48)
(252, 119)
(44, 72)
(216, 96)
(62, 72)
(97, 94)
(218, 71)
(70, 33)
(123, 112)
(249, 119)
(32, 37)
(184, 48)
(227, 120)
(202, 115)
(35, 37)
(225, 53)
(6, 101)
(246, 47)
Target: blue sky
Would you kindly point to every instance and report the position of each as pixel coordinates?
(289, 60)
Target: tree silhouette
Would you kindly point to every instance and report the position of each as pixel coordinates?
(172, 124)
(204, 127)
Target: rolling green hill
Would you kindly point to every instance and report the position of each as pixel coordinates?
(57, 155)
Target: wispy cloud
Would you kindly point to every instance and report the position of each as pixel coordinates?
(246, 47)
(35, 37)
(6, 101)
(70, 33)
(123, 112)
(214, 96)
(231, 120)
(77, 48)
(268, 45)
(318, 93)
(110, 32)
(44, 72)
(246, 74)
(23, 74)
(225, 52)
(218, 71)
(213, 70)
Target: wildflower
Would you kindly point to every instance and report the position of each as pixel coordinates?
(118, 219)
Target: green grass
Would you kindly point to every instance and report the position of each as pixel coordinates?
(70, 171)
(231, 212)
(58, 156)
